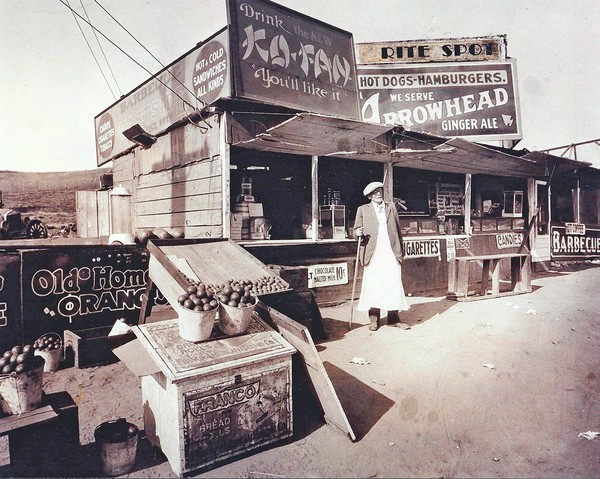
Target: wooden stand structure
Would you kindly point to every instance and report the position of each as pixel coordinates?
(458, 276)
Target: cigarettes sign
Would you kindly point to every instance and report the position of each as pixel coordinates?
(477, 100)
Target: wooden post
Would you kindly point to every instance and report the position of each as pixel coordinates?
(452, 272)
(485, 277)
(495, 268)
(388, 181)
(314, 173)
(467, 203)
(462, 288)
(225, 152)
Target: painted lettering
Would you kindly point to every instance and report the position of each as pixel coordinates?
(447, 108)
(224, 399)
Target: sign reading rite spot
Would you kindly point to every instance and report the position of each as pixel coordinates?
(477, 100)
(283, 57)
(437, 50)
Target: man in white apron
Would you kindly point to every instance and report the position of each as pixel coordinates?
(381, 253)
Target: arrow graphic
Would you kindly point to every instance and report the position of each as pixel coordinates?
(508, 121)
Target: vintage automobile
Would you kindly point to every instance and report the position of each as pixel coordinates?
(12, 226)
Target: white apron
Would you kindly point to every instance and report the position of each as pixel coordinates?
(382, 278)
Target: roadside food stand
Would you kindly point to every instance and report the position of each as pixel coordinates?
(258, 135)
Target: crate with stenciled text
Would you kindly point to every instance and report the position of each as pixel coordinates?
(212, 400)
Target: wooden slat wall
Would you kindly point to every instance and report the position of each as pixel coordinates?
(93, 213)
(177, 183)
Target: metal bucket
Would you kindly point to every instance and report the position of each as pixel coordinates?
(52, 358)
(196, 325)
(117, 445)
(234, 320)
(21, 392)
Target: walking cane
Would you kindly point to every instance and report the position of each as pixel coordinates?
(354, 283)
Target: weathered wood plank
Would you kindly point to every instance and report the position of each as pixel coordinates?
(299, 337)
(180, 220)
(81, 199)
(103, 208)
(207, 168)
(91, 213)
(123, 171)
(192, 187)
(204, 231)
(180, 204)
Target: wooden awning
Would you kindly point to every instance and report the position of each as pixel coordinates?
(456, 155)
(310, 134)
(320, 135)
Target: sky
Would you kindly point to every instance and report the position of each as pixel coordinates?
(51, 87)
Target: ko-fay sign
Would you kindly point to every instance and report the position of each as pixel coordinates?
(476, 100)
(285, 58)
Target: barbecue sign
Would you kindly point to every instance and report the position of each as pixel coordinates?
(574, 241)
(285, 58)
(471, 99)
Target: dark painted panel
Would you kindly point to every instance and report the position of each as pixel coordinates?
(10, 306)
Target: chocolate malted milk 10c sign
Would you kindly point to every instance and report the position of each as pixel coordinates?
(466, 49)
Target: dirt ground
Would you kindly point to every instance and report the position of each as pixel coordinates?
(494, 388)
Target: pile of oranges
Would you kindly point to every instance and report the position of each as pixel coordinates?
(19, 359)
(198, 297)
(236, 293)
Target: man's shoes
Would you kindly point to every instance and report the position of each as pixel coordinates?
(373, 327)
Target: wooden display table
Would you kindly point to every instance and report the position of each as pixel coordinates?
(458, 276)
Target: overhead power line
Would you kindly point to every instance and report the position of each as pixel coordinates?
(102, 50)
(148, 51)
(92, 51)
(64, 2)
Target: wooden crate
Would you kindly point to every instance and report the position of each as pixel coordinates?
(92, 346)
(216, 399)
(212, 261)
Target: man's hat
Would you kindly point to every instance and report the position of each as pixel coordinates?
(372, 187)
